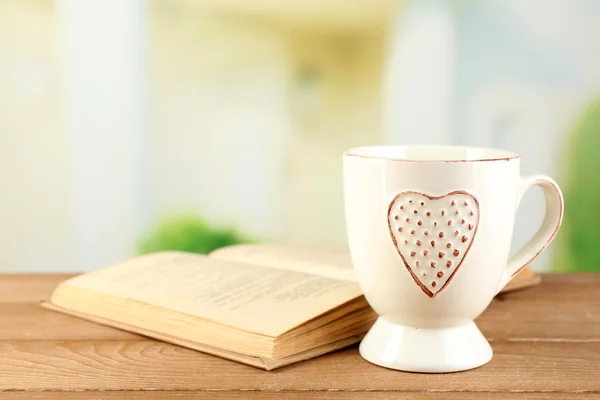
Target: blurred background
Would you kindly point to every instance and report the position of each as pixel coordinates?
(132, 126)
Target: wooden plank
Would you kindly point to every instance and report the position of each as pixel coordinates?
(563, 307)
(571, 287)
(150, 365)
(28, 288)
(69, 358)
(529, 318)
(29, 321)
(266, 395)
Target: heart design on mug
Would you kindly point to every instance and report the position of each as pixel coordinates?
(433, 235)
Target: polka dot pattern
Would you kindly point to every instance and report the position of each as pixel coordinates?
(451, 219)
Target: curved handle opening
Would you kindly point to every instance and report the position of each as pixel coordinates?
(547, 231)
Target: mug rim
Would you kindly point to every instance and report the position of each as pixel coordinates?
(378, 152)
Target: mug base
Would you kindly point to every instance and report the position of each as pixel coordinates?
(413, 349)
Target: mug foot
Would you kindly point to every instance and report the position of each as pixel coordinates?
(412, 349)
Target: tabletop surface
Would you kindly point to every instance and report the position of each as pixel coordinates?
(546, 343)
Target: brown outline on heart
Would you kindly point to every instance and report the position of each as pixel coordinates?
(415, 278)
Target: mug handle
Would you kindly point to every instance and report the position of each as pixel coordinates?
(546, 232)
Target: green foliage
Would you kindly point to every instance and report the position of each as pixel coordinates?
(188, 233)
(580, 235)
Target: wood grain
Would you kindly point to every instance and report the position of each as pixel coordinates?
(329, 394)
(29, 321)
(546, 342)
(557, 311)
(28, 288)
(147, 365)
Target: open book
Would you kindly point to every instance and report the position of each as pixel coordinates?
(263, 305)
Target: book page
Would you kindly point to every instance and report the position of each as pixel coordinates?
(253, 298)
(329, 260)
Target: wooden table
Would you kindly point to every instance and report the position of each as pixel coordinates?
(546, 344)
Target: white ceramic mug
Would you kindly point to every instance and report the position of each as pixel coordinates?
(429, 229)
